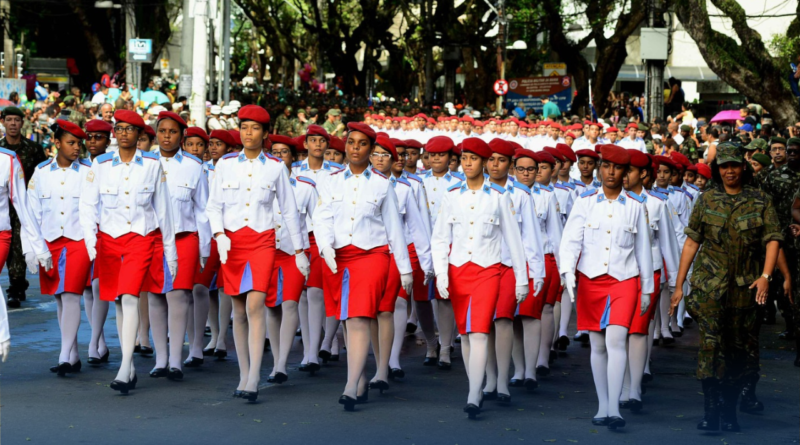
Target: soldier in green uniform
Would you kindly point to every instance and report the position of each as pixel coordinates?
(30, 155)
(301, 123)
(284, 124)
(777, 153)
(755, 146)
(688, 147)
(333, 122)
(736, 230)
(69, 113)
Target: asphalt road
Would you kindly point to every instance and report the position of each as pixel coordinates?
(425, 408)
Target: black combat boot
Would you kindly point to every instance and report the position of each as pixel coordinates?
(710, 420)
(750, 403)
(730, 395)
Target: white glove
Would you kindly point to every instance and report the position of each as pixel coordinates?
(5, 347)
(223, 247)
(91, 248)
(428, 277)
(32, 263)
(303, 265)
(537, 287)
(329, 255)
(645, 302)
(406, 280)
(172, 265)
(522, 293)
(442, 284)
(203, 261)
(569, 284)
(45, 260)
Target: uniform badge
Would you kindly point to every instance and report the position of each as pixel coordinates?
(90, 177)
(163, 177)
(32, 184)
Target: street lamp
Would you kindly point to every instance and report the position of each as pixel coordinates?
(518, 45)
(106, 4)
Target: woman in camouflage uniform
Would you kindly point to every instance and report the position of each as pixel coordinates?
(733, 226)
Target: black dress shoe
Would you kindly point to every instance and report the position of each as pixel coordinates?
(655, 342)
(668, 341)
(104, 358)
(503, 399)
(146, 351)
(552, 358)
(334, 357)
(76, 367)
(396, 373)
(380, 385)
(303, 367)
(250, 396)
(542, 371)
(615, 422)
(531, 385)
(492, 395)
(278, 378)
(54, 369)
(208, 352)
(678, 334)
(600, 421)
(411, 328)
(92, 361)
(312, 368)
(348, 402)
(516, 383)
(220, 354)
(647, 377)
(562, 343)
(625, 404)
(13, 303)
(363, 398)
(457, 340)
(429, 361)
(207, 330)
(175, 374)
(324, 355)
(137, 349)
(237, 394)
(193, 362)
(472, 410)
(635, 405)
(266, 345)
(63, 368)
(582, 337)
(119, 385)
(445, 366)
(159, 372)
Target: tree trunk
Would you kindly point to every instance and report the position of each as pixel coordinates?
(95, 44)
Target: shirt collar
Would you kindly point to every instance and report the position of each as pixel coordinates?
(261, 157)
(621, 198)
(137, 159)
(75, 166)
(348, 173)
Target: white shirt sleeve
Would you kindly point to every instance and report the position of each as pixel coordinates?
(643, 251)
(669, 244)
(89, 204)
(390, 215)
(513, 239)
(420, 232)
(442, 237)
(532, 238)
(30, 233)
(200, 199)
(288, 206)
(163, 209)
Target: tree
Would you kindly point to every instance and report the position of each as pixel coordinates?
(746, 65)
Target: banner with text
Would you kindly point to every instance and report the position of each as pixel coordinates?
(527, 92)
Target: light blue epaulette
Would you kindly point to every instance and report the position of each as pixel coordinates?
(560, 186)
(335, 164)
(522, 187)
(686, 192)
(498, 189)
(150, 155)
(45, 163)
(7, 152)
(85, 162)
(403, 180)
(458, 175)
(105, 157)
(569, 185)
(307, 181)
(274, 158)
(232, 154)
(454, 187)
(193, 157)
(588, 193)
(297, 164)
(211, 167)
(580, 183)
(635, 197)
(414, 177)
(657, 195)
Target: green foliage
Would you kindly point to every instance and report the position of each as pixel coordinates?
(784, 48)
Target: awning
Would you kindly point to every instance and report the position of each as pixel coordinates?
(684, 73)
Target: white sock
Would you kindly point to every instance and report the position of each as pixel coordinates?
(532, 332)
(504, 342)
(518, 350)
(302, 313)
(225, 316)
(316, 318)
(128, 316)
(426, 322)
(213, 318)
(201, 305)
(400, 318)
(447, 323)
(158, 325)
(546, 336)
(70, 322)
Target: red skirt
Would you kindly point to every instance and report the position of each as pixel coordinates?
(507, 296)
(641, 323)
(287, 281)
(432, 292)
(71, 267)
(93, 274)
(604, 301)
(359, 284)
(160, 281)
(532, 306)
(419, 287)
(393, 288)
(315, 276)
(126, 263)
(250, 261)
(208, 277)
(5, 246)
(474, 291)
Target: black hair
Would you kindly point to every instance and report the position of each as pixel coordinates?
(747, 174)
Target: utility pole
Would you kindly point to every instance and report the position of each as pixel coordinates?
(211, 16)
(8, 44)
(501, 48)
(226, 51)
(654, 69)
(187, 48)
(197, 101)
(129, 19)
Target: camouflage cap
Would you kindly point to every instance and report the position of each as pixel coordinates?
(756, 144)
(12, 111)
(301, 111)
(777, 140)
(762, 159)
(728, 152)
(793, 141)
(642, 127)
(289, 108)
(334, 112)
(686, 128)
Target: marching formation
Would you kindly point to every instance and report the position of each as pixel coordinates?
(478, 233)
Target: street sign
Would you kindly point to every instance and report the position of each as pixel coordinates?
(500, 87)
(554, 69)
(140, 50)
(527, 92)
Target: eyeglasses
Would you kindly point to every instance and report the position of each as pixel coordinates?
(130, 129)
(526, 169)
(281, 152)
(99, 137)
(381, 155)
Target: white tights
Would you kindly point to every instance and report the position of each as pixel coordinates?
(475, 349)
(357, 339)
(608, 359)
(498, 363)
(248, 334)
(331, 328)
(518, 350)
(69, 319)
(311, 323)
(447, 323)
(199, 302)
(169, 314)
(663, 309)
(563, 313)
(637, 357)
(282, 325)
(143, 338)
(532, 332)
(382, 333)
(546, 338)
(219, 317)
(426, 322)
(127, 307)
(96, 313)
(400, 319)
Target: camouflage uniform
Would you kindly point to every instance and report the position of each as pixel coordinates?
(689, 149)
(285, 125)
(77, 118)
(30, 155)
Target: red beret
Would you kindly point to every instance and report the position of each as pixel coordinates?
(149, 131)
(587, 153)
(615, 153)
(704, 170)
(316, 130)
(612, 130)
(514, 145)
(280, 139)
(237, 138)
(362, 128)
(129, 117)
(98, 126)
(501, 147)
(387, 145)
(457, 149)
(170, 115)
(398, 142)
(692, 168)
(71, 128)
(569, 135)
(524, 153)
(680, 160)
(254, 113)
(593, 124)
(196, 132)
(638, 158)
(567, 152)
(543, 156)
(413, 143)
(223, 136)
(555, 153)
(266, 144)
(299, 143)
(438, 144)
(336, 144)
(477, 146)
(666, 160)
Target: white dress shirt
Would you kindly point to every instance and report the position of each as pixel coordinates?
(305, 195)
(54, 194)
(188, 192)
(216, 123)
(636, 144)
(546, 208)
(417, 226)
(664, 243)
(12, 188)
(301, 168)
(435, 189)
(611, 237)
(361, 210)
(530, 231)
(244, 192)
(472, 227)
(566, 198)
(421, 197)
(128, 197)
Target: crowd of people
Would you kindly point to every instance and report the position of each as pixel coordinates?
(479, 231)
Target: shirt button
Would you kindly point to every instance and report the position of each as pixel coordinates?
(129, 223)
(434, 189)
(248, 190)
(355, 189)
(608, 231)
(245, 219)
(605, 264)
(606, 248)
(247, 204)
(127, 207)
(432, 203)
(352, 219)
(249, 175)
(279, 226)
(62, 182)
(126, 178)
(354, 202)
(126, 193)
(62, 227)
(470, 223)
(469, 253)
(350, 234)
(609, 216)
(473, 193)
(470, 237)
(62, 197)
(279, 213)
(472, 207)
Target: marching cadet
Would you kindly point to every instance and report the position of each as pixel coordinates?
(145, 141)
(475, 217)
(387, 328)
(240, 211)
(63, 175)
(562, 311)
(606, 241)
(287, 280)
(354, 230)
(501, 337)
(126, 200)
(98, 138)
(207, 279)
(335, 151)
(664, 247)
(733, 230)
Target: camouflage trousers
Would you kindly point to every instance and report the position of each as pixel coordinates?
(17, 269)
(728, 335)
